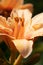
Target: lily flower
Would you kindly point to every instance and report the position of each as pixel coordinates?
(20, 29)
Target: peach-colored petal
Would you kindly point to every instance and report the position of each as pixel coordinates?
(27, 17)
(9, 5)
(37, 21)
(28, 31)
(20, 2)
(23, 46)
(11, 22)
(5, 30)
(37, 25)
(13, 25)
(27, 6)
(3, 21)
(26, 14)
(13, 14)
(4, 26)
(37, 33)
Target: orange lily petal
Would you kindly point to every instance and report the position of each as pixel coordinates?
(27, 6)
(3, 21)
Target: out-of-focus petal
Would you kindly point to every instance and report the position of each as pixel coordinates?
(9, 5)
(27, 6)
(4, 26)
(37, 33)
(5, 30)
(27, 16)
(20, 2)
(37, 21)
(11, 22)
(28, 33)
(23, 46)
(3, 21)
(28, 30)
(37, 25)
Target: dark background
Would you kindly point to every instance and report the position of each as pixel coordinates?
(38, 5)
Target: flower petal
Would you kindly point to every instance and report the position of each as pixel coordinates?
(27, 6)
(37, 25)
(23, 46)
(20, 13)
(4, 26)
(27, 24)
(3, 21)
(38, 32)
(20, 2)
(26, 14)
(28, 30)
(5, 30)
(37, 21)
